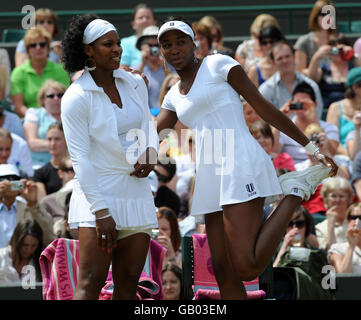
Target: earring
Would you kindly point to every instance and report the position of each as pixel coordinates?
(89, 68)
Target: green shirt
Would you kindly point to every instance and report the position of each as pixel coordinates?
(25, 80)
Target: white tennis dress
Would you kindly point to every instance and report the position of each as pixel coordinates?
(231, 165)
(96, 133)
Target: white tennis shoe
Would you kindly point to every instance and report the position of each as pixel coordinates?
(304, 183)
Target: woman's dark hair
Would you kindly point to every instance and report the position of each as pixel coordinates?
(270, 32)
(177, 272)
(301, 210)
(26, 228)
(304, 87)
(170, 215)
(74, 55)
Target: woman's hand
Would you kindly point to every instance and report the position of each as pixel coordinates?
(30, 192)
(352, 235)
(289, 237)
(145, 163)
(165, 242)
(126, 68)
(106, 232)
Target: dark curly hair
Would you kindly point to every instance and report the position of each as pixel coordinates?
(73, 48)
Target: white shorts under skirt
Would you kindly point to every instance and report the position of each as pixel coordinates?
(121, 233)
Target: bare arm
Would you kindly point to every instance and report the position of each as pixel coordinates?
(166, 120)
(252, 74)
(333, 114)
(238, 79)
(314, 71)
(20, 108)
(20, 58)
(31, 136)
(301, 60)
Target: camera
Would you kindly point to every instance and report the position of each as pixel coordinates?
(314, 138)
(154, 50)
(334, 51)
(16, 185)
(296, 106)
(155, 234)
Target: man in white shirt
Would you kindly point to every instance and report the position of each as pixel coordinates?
(278, 89)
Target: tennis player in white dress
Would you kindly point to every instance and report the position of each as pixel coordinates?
(234, 175)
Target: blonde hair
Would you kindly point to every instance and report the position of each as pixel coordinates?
(313, 18)
(33, 34)
(211, 22)
(163, 89)
(44, 13)
(261, 21)
(50, 83)
(313, 128)
(333, 184)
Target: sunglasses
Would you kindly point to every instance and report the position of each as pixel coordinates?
(354, 217)
(45, 21)
(71, 169)
(322, 14)
(299, 224)
(53, 95)
(10, 178)
(266, 42)
(161, 177)
(41, 44)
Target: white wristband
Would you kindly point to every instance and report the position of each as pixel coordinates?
(103, 217)
(311, 148)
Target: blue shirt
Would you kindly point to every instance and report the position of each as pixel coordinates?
(7, 223)
(277, 93)
(13, 123)
(131, 56)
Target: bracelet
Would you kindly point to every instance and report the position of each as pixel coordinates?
(103, 217)
(311, 148)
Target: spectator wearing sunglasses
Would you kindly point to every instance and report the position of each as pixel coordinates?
(337, 196)
(38, 120)
(262, 70)
(47, 19)
(346, 256)
(299, 251)
(298, 233)
(27, 79)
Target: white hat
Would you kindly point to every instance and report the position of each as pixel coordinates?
(63, 192)
(8, 170)
(150, 31)
(176, 25)
(95, 29)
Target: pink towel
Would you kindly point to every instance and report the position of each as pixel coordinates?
(60, 270)
(206, 294)
(203, 271)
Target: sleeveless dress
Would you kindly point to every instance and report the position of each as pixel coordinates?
(346, 126)
(231, 166)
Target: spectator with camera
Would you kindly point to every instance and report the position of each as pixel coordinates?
(303, 104)
(152, 65)
(331, 75)
(14, 208)
(278, 89)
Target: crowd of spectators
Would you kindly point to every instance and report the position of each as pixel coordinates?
(316, 82)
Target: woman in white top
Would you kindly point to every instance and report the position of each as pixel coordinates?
(112, 204)
(241, 174)
(346, 256)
